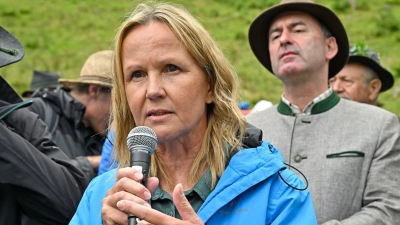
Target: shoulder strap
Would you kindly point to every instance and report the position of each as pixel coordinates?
(50, 118)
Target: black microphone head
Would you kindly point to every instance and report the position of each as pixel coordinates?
(142, 136)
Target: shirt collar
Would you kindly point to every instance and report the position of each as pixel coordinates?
(202, 188)
(321, 103)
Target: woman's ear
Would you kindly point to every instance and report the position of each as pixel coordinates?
(209, 97)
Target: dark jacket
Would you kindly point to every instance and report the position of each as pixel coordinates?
(38, 182)
(70, 134)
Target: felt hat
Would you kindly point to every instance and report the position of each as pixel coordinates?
(370, 59)
(42, 79)
(11, 50)
(259, 31)
(96, 70)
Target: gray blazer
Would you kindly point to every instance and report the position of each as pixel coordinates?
(350, 154)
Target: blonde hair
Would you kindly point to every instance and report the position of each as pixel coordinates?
(225, 122)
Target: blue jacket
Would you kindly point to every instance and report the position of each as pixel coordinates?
(252, 189)
(107, 162)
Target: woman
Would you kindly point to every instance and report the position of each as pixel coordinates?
(171, 76)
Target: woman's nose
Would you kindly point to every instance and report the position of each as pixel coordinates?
(155, 87)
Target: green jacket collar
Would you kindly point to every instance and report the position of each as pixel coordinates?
(318, 108)
(7, 109)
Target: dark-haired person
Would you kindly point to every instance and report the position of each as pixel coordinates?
(171, 77)
(363, 78)
(38, 183)
(350, 152)
(78, 119)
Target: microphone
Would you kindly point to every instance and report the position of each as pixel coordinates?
(141, 143)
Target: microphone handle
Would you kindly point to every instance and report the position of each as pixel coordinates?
(132, 219)
(141, 161)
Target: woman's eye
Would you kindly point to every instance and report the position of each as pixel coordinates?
(137, 74)
(172, 68)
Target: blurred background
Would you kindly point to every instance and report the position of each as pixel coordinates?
(58, 35)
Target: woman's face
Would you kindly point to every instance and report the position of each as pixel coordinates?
(166, 89)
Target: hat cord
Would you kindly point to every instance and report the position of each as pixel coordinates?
(11, 52)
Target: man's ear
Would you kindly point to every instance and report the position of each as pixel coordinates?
(331, 47)
(373, 88)
(93, 90)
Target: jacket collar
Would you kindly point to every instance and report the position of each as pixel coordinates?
(318, 108)
(7, 93)
(9, 99)
(246, 168)
(72, 109)
(6, 108)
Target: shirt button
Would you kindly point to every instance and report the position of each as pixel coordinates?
(297, 158)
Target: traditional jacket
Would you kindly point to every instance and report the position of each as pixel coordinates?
(350, 154)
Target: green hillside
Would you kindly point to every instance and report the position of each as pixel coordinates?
(59, 35)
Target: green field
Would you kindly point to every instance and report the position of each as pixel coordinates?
(59, 35)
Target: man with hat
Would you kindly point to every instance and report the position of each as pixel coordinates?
(38, 183)
(42, 80)
(78, 119)
(349, 162)
(363, 77)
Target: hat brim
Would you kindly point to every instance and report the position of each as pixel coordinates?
(9, 43)
(30, 91)
(70, 84)
(385, 76)
(259, 32)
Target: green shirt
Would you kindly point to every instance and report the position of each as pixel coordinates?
(162, 200)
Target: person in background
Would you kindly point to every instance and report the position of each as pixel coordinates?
(38, 183)
(78, 119)
(350, 152)
(363, 78)
(42, 80)
(170, 76)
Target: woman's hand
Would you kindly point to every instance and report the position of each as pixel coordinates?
(151, 216)
(127, 188)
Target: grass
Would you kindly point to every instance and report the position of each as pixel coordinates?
(59, 36)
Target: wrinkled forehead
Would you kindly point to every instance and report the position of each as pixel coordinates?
(354, 71)
(357, 67)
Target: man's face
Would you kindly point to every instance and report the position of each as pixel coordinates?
(98, 109)
(350, 83)
(297, 45)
